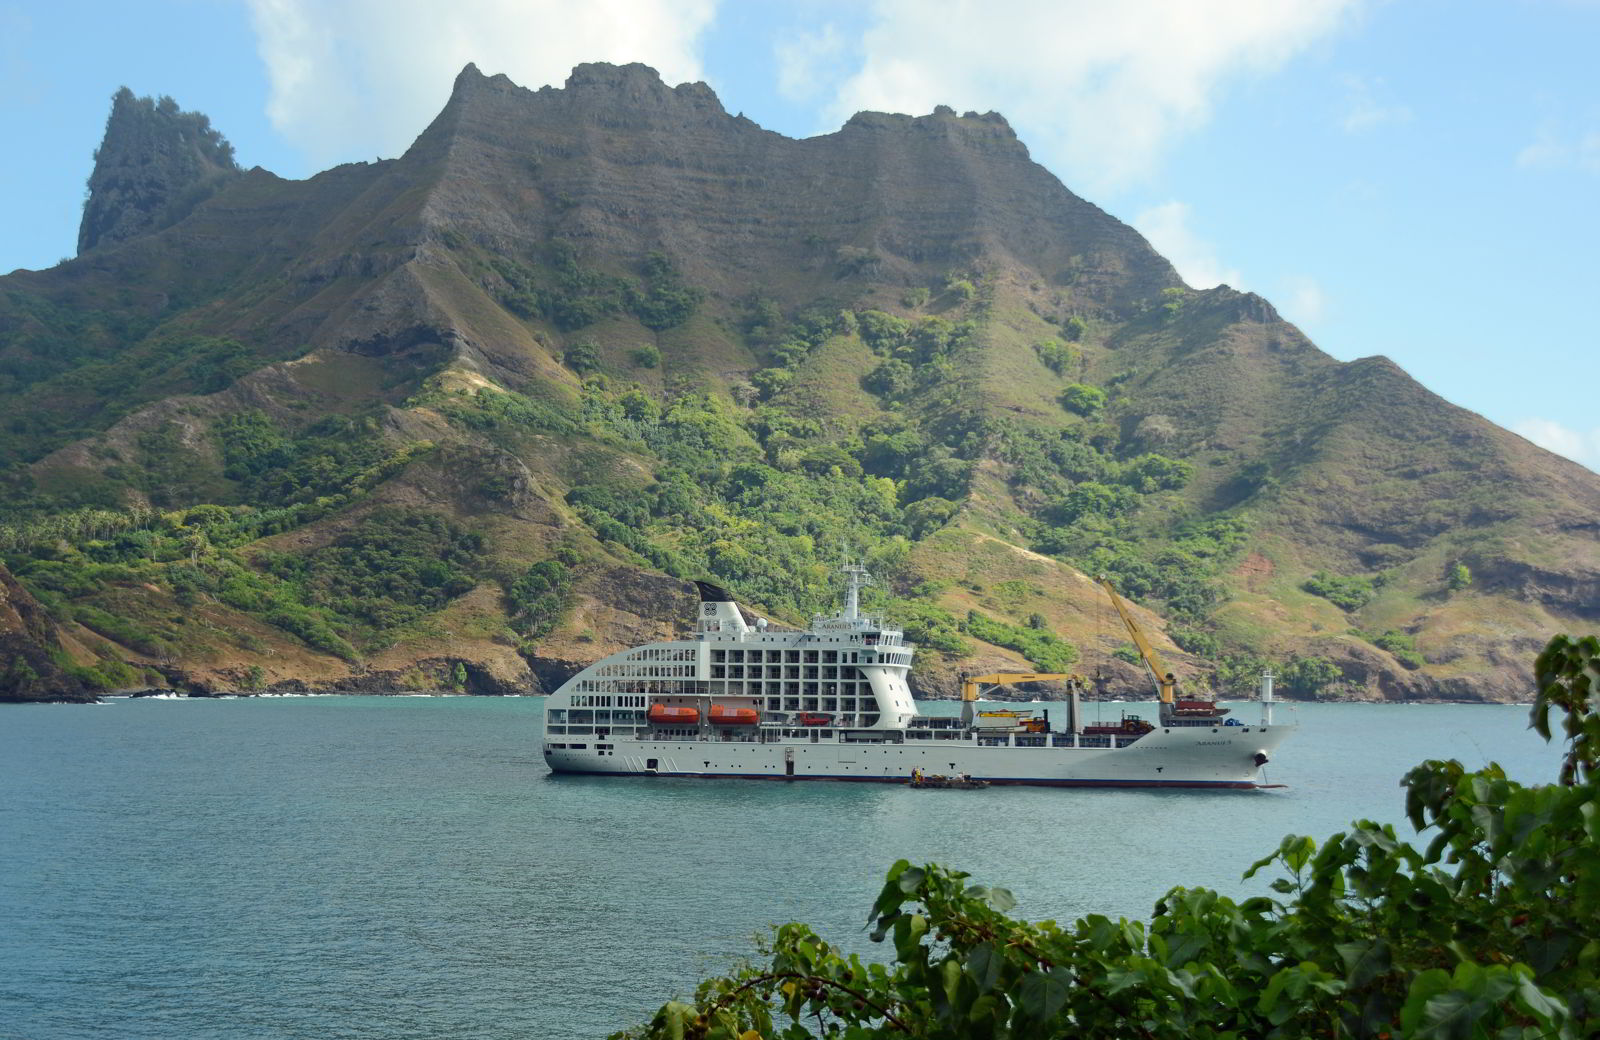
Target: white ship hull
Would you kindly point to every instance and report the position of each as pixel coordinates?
(1219, 757)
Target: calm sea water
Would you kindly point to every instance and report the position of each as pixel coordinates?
(394, 867)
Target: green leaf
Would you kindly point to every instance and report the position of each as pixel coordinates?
(1043, 993)
(1427, 985)
(1363, 961)
(983, 966)
(1449, 1016)
(1549, 1010)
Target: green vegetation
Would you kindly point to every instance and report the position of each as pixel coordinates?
(1056, 356)
(1345, 593)
(539, 598)
(387, 571)
(1083, 399)
(1308, 676)
(1046, 652)
(1398, 643)
(1458, 578)
(1485, 933)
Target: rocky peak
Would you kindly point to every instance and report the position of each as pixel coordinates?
(155, 165)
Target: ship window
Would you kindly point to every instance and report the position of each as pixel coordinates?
(719, 655)
(556, 715)
(830, 656)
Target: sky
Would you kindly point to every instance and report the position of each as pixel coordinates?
(1410, 178)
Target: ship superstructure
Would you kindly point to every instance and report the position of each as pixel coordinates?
(832, 701)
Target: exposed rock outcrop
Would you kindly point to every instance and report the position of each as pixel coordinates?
(154, 166)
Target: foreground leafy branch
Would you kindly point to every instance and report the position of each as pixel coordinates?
(1492, 931)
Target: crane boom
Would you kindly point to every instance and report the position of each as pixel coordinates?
(1152, 660)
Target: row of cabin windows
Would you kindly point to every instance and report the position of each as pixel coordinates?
(795, 689)
(781, 671)
(784, 656)
(591, 700)
(651, 671)
(589, 717)
(654, 687)
(661, 653)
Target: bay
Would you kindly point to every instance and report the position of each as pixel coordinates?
(394, 867)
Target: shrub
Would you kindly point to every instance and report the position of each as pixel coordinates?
(1308, 676)
(645, 357)
(961, 288)
(1345, 593)
(1057, 357)
(1402, 646)
(1083, 399)
(582, 357)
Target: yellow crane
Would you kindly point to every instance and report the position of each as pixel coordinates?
(1152, 660)
(970, 684)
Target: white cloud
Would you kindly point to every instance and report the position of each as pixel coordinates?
(1551, 150)
(1167, 228)
(804, 61)
(1578, 445)
(1364, 108)
(1304, 302)
(356, 78)
(1100, 89)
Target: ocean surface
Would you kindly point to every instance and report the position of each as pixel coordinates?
(405, 867)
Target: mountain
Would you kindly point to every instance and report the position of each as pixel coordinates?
(469, 418)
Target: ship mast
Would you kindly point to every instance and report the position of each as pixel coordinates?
(855, 577)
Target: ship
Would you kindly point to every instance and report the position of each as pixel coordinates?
(750, 699)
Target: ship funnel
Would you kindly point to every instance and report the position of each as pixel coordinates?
(1266, 697)
(718, 612)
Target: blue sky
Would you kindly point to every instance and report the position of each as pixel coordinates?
(1414, 178)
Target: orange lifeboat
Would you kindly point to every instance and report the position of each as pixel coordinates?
(667, 714)
(813, 719)
(720, 716)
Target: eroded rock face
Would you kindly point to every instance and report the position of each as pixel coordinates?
(155, 165)
(28, 672)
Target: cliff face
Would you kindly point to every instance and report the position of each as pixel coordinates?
(622, 164)
(605, 337)
(154, 165)
(28, 670)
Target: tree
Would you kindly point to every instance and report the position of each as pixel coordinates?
(1488, 932)
(1459, 577)
(582, 357)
